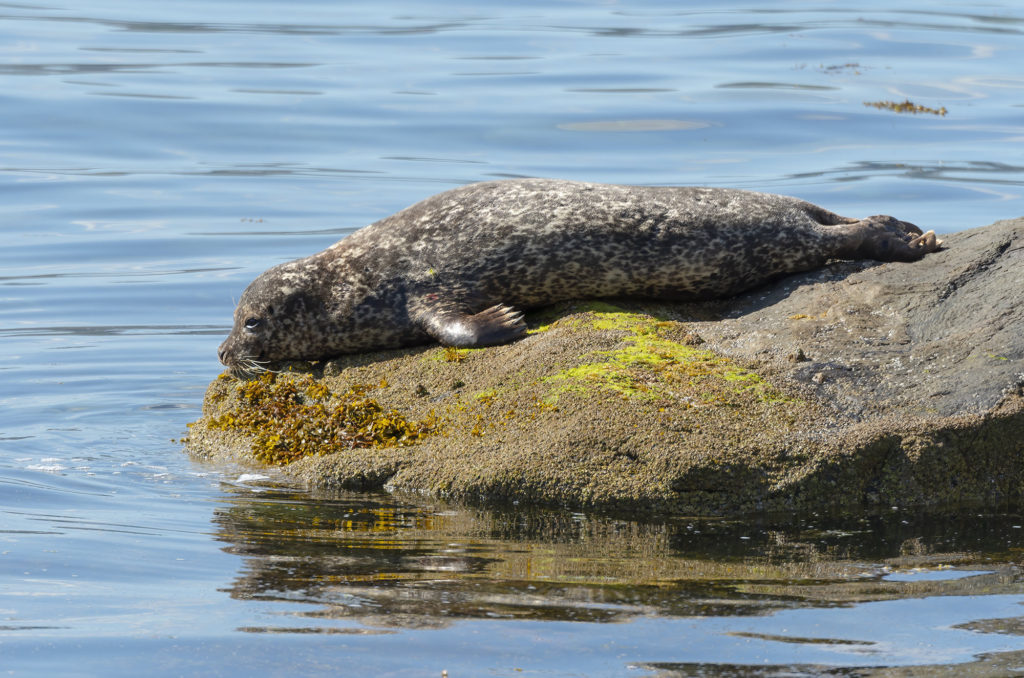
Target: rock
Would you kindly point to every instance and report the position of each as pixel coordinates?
(858, 384)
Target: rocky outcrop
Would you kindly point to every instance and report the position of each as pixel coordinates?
(858, 384)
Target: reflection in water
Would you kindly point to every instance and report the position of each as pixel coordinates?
(987, 173)
(379, 562)
(987, 667)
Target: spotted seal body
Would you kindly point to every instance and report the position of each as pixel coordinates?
(460, 266)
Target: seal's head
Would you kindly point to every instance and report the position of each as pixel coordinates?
(278, 318)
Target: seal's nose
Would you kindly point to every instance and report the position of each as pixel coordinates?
(222, 353)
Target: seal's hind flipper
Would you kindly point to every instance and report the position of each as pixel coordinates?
(887, 239)
(495, 325)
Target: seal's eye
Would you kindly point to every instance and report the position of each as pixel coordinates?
(252, 323)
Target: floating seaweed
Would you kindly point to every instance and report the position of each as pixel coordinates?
(906, 106)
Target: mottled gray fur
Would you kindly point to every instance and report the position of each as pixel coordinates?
(456, 266)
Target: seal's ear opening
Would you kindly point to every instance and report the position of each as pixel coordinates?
(297, 303)
(270, 310)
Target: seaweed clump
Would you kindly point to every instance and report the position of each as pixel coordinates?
(906, 106)
(289, 418)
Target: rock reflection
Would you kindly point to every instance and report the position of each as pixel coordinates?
(1001, 664)
(382, 562)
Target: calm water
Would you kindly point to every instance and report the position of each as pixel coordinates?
(155, 157)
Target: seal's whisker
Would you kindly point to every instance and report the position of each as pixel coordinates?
(254, 366)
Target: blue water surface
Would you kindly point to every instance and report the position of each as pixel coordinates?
(155, 157)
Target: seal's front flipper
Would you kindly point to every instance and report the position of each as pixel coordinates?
(495, 325)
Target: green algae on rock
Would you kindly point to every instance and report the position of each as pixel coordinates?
(653, 364)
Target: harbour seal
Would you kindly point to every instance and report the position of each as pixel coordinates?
(461, 266)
